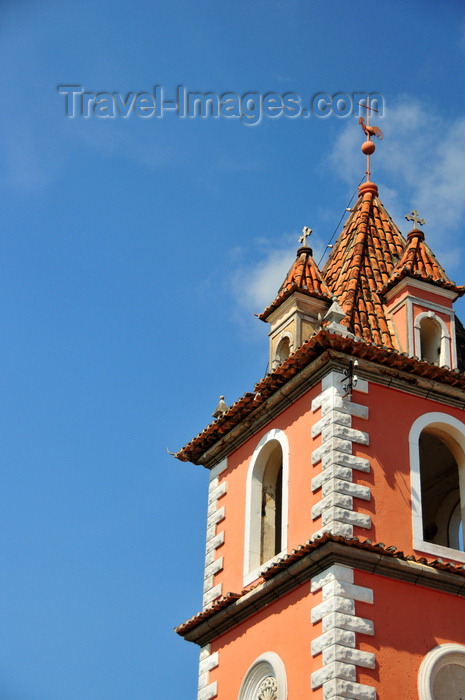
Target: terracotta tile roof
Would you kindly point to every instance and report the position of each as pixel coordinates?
(369, 257)
(323, 341)
(420, 262)
(305, 277)
(378, 548)
(361, 264)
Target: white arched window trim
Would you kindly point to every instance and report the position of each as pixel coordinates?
(268, 664)
(437, 658)
(253, 505)
(445, 356)
(449, 426)
(282, 336)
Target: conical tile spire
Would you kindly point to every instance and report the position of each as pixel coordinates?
(420, 262)
(360, 265)
(303, 276)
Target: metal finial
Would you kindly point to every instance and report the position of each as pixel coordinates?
(413, 216)
(368, 147)
(221, 408)
(306, 232)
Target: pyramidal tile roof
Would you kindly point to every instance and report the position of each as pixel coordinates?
(361, 264)
(303, 276)
(420, 262)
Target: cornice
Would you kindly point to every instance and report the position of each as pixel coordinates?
(302, 370)
(307, 561)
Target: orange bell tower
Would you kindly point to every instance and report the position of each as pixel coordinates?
(335, 562)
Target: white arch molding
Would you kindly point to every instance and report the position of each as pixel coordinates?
(253, 503)
(444, 341)
(277, 359)
(442, 656)
(267, 672)
(452, 432)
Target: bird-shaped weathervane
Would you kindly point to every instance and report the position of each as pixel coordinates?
(368, 147)
(370, 130)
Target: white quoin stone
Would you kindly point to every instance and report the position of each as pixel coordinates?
(347, 590)
(338, 643)
(334, 513)
(335, 527)
(339, 687)
(214, 538)
(346, 460)
(333, 471)
(332, 605)
(352, 623)
(210, 691)
(342, 486)
(333, 499)
(336, 572)
(336, 669)
(208, 661)
(334, 636)
(338, 652)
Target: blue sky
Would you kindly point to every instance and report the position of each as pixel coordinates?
(133, 254)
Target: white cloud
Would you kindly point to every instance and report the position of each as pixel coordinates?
(256, 286)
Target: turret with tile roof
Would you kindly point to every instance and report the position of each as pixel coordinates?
(301, 302)
(418, 261)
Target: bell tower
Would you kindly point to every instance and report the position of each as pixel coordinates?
(335, 558)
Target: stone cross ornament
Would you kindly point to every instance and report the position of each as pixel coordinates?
(306, 232)
(413, 216)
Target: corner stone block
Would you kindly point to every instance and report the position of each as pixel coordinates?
(352, 623)
(347, 590)
(336, 572)
(335, 527)
(337, 485)
(210, 691)
(346, 460)
(341, 431)
(336, 652)
(326, 396)
(335, 604)
(212, 594)
(334, 444)
(345, 406)
(217, 492)
(331, 638)
(215, 542)
(338, 687)
(214, 567)
(333, 471)
(332, 499)
(329, 419)
(346, 516)
(334, 381)
(209, 662)
(205, 651)
(336, 669)
(216, 516)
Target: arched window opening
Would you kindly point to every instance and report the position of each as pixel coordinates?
(283, 350)
(440, 489)
(442, 673)
(430, 340)
(266, 503)
(271, 517)
(265, 680)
